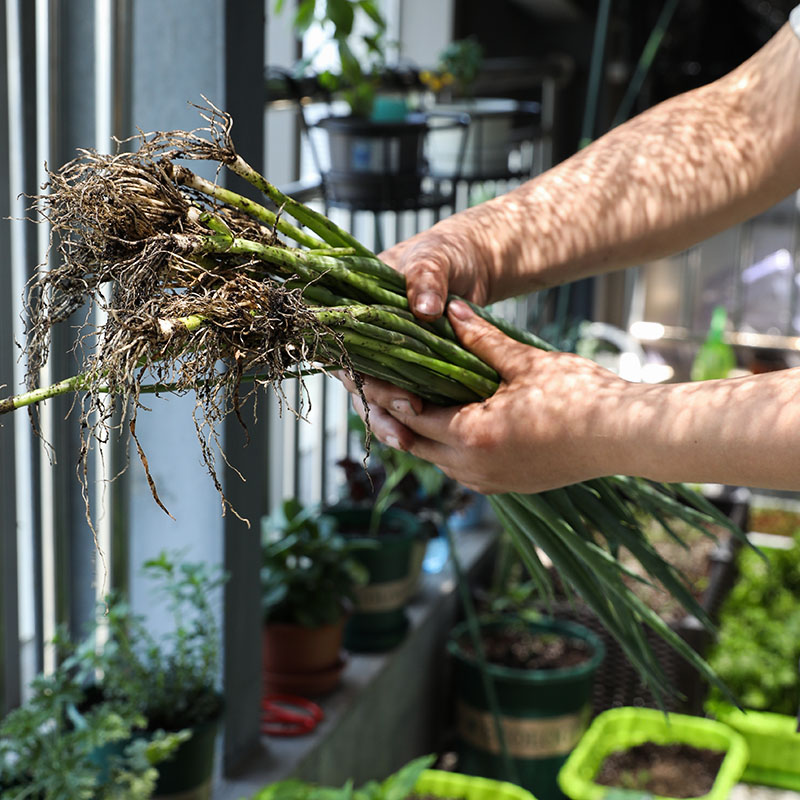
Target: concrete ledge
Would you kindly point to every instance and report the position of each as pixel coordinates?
(389, 708)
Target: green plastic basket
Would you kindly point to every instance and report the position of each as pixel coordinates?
(468, 787)
(773, 742)
(622, 728)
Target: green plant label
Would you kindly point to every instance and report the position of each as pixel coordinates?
(385, 596)
(540, 737)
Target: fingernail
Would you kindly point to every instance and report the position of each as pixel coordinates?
(460, 310)
(402, 406)
(429, 303)
(393, 442)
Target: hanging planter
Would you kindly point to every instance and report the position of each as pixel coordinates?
(622, 729)
(543, 711)
(374, 164)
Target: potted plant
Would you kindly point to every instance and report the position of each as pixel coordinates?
(491, 135)
(397, 504)
(414, 781)
(61, 745)
(171, 680)
(757, 655)
(376, 149)
(541, 673)
(309, 577)
(618, 752)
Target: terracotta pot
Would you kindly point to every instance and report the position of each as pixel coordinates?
(298, 659)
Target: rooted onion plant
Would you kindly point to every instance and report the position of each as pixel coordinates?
(203, 294)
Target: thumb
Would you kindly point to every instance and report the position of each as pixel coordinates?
(489, 343)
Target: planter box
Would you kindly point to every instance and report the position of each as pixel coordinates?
(773, 743)
(544, 712)
(623, 728)
(468, 787)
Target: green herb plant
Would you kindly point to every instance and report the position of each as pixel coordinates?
(758, 647)
(308, 574)
(64, 744)
(398, 786)
(170, 679)
(357, 29)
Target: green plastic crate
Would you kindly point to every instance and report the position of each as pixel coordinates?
(622, 728)
(773, 742)
(467, 787)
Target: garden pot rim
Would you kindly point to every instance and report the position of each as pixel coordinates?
(573, 777)
(281, 625)
(529, 676)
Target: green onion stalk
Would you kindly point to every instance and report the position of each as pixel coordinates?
(203, 275)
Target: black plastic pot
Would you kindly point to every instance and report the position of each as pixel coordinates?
(543, 712)
(374, 165)
(379, 621)
(187, 774)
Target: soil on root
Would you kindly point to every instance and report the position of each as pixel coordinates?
(518, 648)
(673, 770)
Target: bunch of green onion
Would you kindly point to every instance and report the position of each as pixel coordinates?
(364, 323)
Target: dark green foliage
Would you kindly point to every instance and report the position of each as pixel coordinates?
(170, 679)
(51, 747)
(361, 54)
(759, 640)
(396, 787)
(308, 573)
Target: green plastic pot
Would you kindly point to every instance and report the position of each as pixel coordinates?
(773, 744)
(544, 712)
(379, 621)
(468, 787)
(623, 728)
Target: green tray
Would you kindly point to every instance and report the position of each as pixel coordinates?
(773, 742)
(467, 787)
(621, 728)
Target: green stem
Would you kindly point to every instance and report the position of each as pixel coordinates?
(319, 223)
(454, 353)
(66, 386)
(474, 629)
(250, 207)
(422, 379)
(479, 387)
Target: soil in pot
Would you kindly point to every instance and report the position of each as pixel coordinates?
(519, 648)
(671, 770)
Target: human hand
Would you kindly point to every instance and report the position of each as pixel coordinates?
(448, 257)
(552, 422)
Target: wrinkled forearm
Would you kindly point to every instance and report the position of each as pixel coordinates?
(741, 431)
(680, 172)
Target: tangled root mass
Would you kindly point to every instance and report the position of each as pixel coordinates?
(127, 249)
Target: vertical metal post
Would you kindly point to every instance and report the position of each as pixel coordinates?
(244, 99)
(10, 686)
(27, 577)
(44, 95)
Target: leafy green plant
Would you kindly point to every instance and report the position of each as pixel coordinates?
(308, 573)
(361, 49)
(396, 787)
(401, 479)
(61, 745)
(170, 679)
(758, 648)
